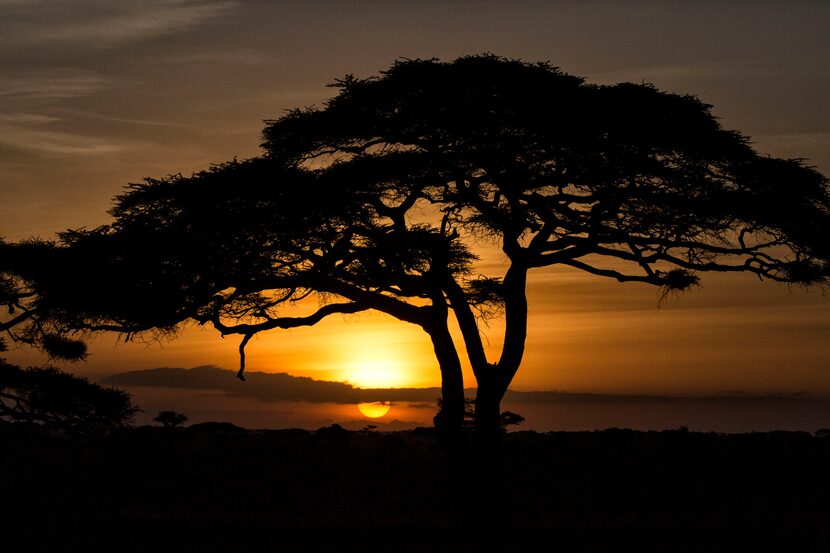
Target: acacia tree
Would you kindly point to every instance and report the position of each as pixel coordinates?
(233, 246)
(623, 181)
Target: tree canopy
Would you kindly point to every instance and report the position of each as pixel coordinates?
(624, 181)
(55, 399)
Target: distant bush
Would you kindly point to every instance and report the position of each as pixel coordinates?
(217, 428)
(507, 418)
(170, 419)
(333, 432)
(52, 398)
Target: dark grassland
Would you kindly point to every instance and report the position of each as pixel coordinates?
(215, 487)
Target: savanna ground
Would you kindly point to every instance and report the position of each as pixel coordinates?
(215, 487)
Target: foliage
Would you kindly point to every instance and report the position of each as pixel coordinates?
(19, 263)
(506, 418)
(170, 419)
(55, 399)
(509, 418)
(374, 200)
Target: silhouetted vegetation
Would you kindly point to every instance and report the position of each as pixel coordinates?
(170, 419)
(218, 487)
(507, 418)
(19, 298)
(58, 400)
(625, 182)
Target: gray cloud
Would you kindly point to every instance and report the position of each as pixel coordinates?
(101, 24)
(270, 387)
(50, 84)
(665, 72)
(244, 57)
(262, 386)
(30, 132)
(284, 387)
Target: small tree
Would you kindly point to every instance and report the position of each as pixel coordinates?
(509, 418)
(170, 419)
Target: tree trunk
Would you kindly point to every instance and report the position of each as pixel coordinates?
(491, 491)
(493, 380)
(488, 418)
(450, 418)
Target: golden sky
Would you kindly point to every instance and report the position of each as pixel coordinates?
(94, 95)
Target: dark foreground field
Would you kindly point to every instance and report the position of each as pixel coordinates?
(215, 487)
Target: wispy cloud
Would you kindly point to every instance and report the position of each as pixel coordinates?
(30, 132)
(805, 141)
(50, 84)
(80, 114)
(814, 147)
(665, 72)
(26, 119)
(215, 57)
(103, 24)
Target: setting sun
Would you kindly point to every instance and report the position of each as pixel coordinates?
(374, 410)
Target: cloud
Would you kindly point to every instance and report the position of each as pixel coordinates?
(268, 386)
(103, 24)
(665, 72)
(275, 387)
(564, 398)
(26, 119)
(80, 114)
(216, 57)
(25, 131)
(812, 146)
(258, 385)
(50, 84)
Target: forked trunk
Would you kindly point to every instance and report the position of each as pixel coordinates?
(493, 380)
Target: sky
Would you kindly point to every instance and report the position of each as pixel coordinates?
(95, 95)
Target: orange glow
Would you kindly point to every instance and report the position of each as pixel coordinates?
(367, 351)
(375, 369)
(374, 410)
(378, 355)
(584, 335)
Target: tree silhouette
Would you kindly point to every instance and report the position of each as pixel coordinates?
(199, 248)
(624, 181)
(17, 296)
(55, 399)
(170, 419)
(509, 418)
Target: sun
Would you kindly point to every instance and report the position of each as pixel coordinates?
(374, 410)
